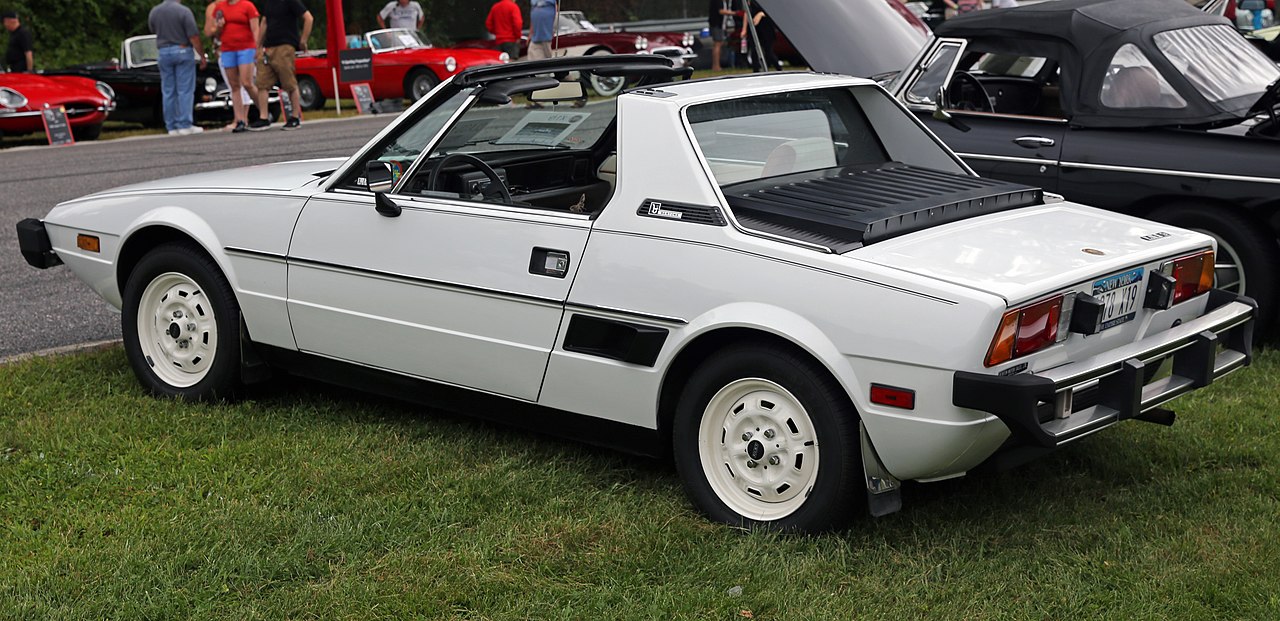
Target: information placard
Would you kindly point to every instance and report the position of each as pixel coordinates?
(56, 126)
(355, 65)
(363, 95)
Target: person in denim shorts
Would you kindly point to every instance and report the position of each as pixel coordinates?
(235, 23)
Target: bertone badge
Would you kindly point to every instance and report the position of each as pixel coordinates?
(1092, 251)
(655, 209)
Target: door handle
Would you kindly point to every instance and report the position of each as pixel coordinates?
(1033, 142)
(549, 262)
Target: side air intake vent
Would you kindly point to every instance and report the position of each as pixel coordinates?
(696, 214)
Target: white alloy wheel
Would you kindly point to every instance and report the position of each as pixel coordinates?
(759, 449)
(177, 330)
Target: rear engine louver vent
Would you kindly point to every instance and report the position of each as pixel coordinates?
(844, 209)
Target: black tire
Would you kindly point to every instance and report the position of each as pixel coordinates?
(418, 83)
(733, 394)
(1250, 245)
(309, 93)
(605, 86)
(86, 133)
(200, 307)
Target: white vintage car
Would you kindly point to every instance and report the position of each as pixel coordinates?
(782, 281)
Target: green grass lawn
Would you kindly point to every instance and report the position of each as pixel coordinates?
(306, 502)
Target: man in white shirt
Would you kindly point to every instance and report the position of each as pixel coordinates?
(401, 14)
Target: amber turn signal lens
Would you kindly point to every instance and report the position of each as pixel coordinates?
(88, 243)
(1025, 330)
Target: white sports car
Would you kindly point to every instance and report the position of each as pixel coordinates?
(782, 281)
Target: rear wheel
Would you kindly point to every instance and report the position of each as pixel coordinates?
(309, 93)
(419, 82)
(763, 436)
(181, 325)
(1248, 259)
(605, 86)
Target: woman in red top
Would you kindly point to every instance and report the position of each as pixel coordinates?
(235, 24)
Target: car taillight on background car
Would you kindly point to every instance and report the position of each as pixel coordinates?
(1030, 328)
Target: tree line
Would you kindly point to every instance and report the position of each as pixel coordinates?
(69, 32)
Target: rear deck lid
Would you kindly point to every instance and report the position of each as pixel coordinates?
(1026, 253)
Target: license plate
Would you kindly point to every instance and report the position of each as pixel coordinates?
(1120, 295)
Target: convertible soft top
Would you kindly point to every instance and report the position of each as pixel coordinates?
(1083, 37)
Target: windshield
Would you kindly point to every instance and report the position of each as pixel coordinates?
(573, 22)
(396, 39)
(1220, 63)
(143, 51)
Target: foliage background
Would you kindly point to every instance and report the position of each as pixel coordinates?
(79, 31)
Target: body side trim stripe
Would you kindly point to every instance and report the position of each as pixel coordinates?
(1172, 173)
(1009, 158)
(620, 311)
(425, 281)
(775, 259)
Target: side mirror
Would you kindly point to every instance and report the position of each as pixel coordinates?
(379, 176)
(940, 113)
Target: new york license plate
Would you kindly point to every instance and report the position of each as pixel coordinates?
(1121, 296)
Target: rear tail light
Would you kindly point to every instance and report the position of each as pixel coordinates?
(1192, 275)
(1030, 328)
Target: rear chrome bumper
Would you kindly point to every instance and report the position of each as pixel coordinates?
(1040, 409)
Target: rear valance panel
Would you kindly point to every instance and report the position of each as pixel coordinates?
(845, 209)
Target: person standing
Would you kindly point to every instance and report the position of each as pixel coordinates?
(720, 22)
(543, 15)
(235, 22)
(280, 44)
(176, 37)
(401, 14)
(20, 55)
(767, 33)
(504, 23)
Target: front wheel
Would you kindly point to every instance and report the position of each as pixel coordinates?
(1247, 261)
(181, 323)
(418, 83)
(763, 436)
(87, 132)
(309, 93)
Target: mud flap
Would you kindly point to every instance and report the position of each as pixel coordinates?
(884, 492)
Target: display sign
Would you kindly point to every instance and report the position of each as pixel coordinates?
(363, 95)
(355, 65)
(56, 126)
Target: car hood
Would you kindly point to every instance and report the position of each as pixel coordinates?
(52, 89)
(283, 176)
(864, 39)
(1025, 253)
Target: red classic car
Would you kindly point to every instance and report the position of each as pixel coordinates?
(24, 95)
(577, 36)
(404, 65)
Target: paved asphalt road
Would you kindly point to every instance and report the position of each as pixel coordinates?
(43, 309)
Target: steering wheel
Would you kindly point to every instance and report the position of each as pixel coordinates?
(967, 93)
(479, 164)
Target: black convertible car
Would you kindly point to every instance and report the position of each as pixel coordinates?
(1148, 107)
(135, 77)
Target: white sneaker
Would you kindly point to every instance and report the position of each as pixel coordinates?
(187, 131)
(175, 132)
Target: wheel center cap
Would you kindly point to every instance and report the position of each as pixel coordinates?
(755, 450)
(174, 330)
